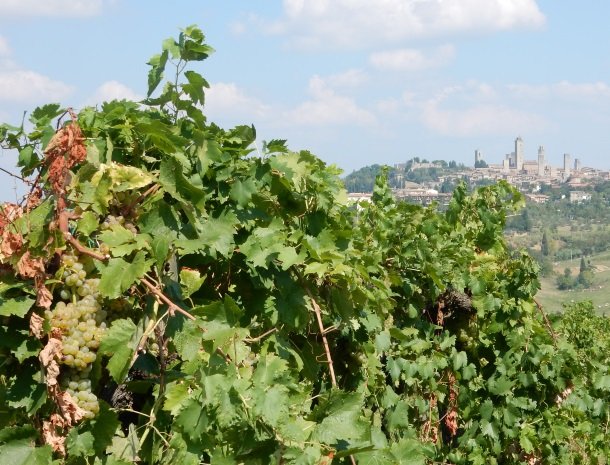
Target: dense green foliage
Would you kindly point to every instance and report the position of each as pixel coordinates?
(363, 179)
(245, 313)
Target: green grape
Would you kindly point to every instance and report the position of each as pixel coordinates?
(82, 322)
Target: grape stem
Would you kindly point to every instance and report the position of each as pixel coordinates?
(548, 324)
(163, 298)
(331, 368)
(262, 336)
(82, 249)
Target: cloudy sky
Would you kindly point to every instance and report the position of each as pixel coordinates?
(355, 81)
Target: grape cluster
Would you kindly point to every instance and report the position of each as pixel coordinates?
(120, 220)
(78, 385)
(82, 322)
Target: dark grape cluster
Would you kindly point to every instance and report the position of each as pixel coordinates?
(82, 322)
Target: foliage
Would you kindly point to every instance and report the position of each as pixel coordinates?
(583, 280)
(244, 312)
(521, 222)
(363, 179)
(545, 245)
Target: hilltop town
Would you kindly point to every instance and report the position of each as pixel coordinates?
(422, 181)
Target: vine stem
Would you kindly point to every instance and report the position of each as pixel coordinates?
(546, 321)
(82, 249)
(329, 359)
(27, 181)
(331, 368)
(262, 336)
(163, 298)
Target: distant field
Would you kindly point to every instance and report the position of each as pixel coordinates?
(552, 298)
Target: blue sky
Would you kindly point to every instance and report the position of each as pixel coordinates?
(355, 81)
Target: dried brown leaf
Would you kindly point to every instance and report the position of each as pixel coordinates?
(44, 298)
(29, 267)
(34, 198)
(49, 357)
(65, 149)
(10, 243)
(451, 422)
(70, 410)
(9, 212)
(52, 433)
(36, 326)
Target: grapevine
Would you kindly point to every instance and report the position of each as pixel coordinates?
(171, 294)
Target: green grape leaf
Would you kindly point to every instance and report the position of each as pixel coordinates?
(87, 223)
(18, 306)
(175, 397)
(171, 177)
(79, 444)
(195, 86)
(119, 275)
(24, 453)
(119, 343)
(160, 249)
(190, 281)
(501, 386)
(193, 418)
(15, 433)
(242, 191)
(37, 221)
(339, 418)
(155, 74)
(602, 382)
(104, 427)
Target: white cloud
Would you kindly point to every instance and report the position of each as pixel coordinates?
(407, 59)
(113, 90)
(5, 50)
(563, 89)
(476, 109)
(479, 120)
(28, 86)
(226, 99)
(61, 8)
(358, 23)
(326, 107)
(350, 78)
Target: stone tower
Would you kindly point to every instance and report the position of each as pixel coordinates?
(541, 161)
(519, 153)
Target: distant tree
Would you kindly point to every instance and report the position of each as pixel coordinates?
(452, 164)
(546, 267)
(585, 278)
(545, 245)
(481, 164)
(521, 222)
(583, 264)
(448, 186)
(527, 220)
(566, 281)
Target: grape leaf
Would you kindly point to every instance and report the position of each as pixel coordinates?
(18, 306)
(24, 453)
(119, 342)
(79, 444)
(118, 275)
